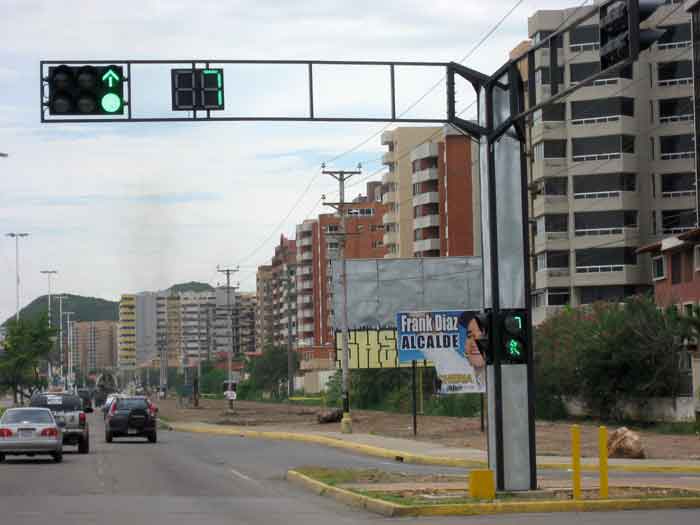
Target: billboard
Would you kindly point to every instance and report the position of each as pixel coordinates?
(446, 338)
(371, 348)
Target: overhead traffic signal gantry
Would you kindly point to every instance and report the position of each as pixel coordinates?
(85, 90)
(621, 38)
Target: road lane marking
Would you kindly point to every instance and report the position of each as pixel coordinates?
(242, 476)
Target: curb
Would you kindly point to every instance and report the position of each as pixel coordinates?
(407, 457)
(388, 509)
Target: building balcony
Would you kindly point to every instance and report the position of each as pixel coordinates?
(305, 241)
(305, 341)
(550, 204)
(551, 241)
(305, 270)
(426, 245)
(425, 150)
(305, 299)
(306, 285)
(606, 200)
(387, 138)
(388, 158)
(618, 236)
(306, 256)
(553, 278)
(607, 275)
(390, 177)
(306, 327)
(390, 196)
(306, 313)
(390, 238)
(389, 218)
(429, 197)
(424, 175)
(425, 222)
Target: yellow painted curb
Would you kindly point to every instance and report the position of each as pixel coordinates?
(407, 457)
(386, 508)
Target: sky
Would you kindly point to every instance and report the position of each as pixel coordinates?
(122, 208)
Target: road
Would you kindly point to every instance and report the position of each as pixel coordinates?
(195, 478)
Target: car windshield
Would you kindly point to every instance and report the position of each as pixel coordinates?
(130, 404)
(58, 402)
(26, 416)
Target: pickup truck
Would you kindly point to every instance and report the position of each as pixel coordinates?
(69, 413)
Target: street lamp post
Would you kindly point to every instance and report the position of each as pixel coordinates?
(49, 274)
(17, 236)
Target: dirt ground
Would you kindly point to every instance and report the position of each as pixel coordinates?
(553, 438)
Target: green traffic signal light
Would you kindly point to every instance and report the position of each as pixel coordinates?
(514, 348)
(111, 102)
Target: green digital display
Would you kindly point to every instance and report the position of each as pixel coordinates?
(197, 89)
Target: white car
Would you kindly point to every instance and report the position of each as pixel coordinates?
(30, 431)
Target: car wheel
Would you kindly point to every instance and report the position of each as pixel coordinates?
(84, 445)
(108, 436)
(57, 456)
(152, 437)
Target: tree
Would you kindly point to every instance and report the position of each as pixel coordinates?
(268, 372)
(27, 344)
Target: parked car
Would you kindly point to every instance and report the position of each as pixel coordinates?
(131, 416)
(70, 416)
(30, 431)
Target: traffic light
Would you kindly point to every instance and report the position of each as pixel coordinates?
(86, 90)
(514, 331)
(620, 35)
(483, 341)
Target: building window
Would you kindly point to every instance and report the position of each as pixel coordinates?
(675, 109)
(605, 185)
(658, 268)
(550, 149)
(677, 184)
(677, 221)
(676, 268)
(601, 110)
(583, 70)
(424, 164)
(332, 228)
(540, 36)
(696, 257)
(677, 36)
(677, 147)
(584, 38)
(653, 222)
(595, 260)
(604, 222)
(542, 75)
(550, 113)
(555, 185)
(558, 296)
(652, 148)
(675, 73)
(602, 147)
(553, 223)
(377, 244)
(363, 212)
(553, 260)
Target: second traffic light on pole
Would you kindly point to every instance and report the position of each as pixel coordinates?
(86, 90)
(513, 346)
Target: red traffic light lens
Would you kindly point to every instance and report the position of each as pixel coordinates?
(62, 78)
(62, 104)
(86, 79)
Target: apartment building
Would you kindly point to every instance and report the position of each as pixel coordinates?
(612, 166)
(284, 292)
(197, 313)
(445, 223)
(264, 307)
(397, 186)
(247, 311)
(319, 243)
(96, 345)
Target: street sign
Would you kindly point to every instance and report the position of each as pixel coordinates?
(197, 89)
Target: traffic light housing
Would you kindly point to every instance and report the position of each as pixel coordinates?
(86, 90)
(620, 35)
(514, 331)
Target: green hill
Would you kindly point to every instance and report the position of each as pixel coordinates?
(192, 286)
(84, 308)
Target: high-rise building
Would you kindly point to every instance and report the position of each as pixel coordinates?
(247, 307)
(197, 311)
(264, 314)
(96, 345)
(397, 188)
(445, 196)
(318, 244)
(126, 357)
(284, 293)
(612, 166)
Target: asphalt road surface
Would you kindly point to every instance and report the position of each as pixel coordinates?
(199, 479)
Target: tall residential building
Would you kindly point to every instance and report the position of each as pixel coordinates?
(612, 167)
(264, 307)
(445, 196)
(284, 293)
(397, 188)
(247, 310)
(319, 244)
(197, 314)
(96, 345)
(126, 356)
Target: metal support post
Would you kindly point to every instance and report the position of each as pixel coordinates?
(229, 315)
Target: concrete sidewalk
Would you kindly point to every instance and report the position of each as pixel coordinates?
(421, 452)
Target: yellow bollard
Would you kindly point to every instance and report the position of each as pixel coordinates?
(603, 461)
(482, 484)
(576, 460)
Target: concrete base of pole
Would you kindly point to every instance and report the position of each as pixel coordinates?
(346, 424)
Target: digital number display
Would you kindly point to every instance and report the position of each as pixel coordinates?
(197, 89)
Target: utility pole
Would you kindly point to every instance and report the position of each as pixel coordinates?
(17, 236)
(60, 338)
(228, 272)
(70, 382)
(163, 358)
(341, 176)
(49, 274)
